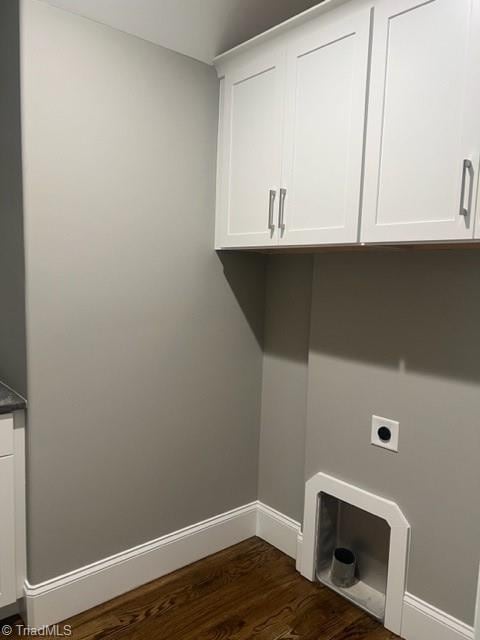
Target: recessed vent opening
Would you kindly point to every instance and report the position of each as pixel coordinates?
(345, 529)
(339, 515)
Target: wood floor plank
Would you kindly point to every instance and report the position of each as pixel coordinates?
(196, 605)
(203, 572)
(193, 614)
(249, 591)
(182, 588)
(272, 616)
(365, 629)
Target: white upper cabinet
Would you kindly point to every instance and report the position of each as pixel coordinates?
(324, 130)
(250, 139)
(356, 122)
(291, 137)
(423, 136)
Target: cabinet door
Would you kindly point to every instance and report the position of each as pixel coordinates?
(251, 153)
(7, 532)
(325, 123)
(423, 127)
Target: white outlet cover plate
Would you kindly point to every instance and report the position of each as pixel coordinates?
(393, 425)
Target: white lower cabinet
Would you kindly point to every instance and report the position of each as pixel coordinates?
(8, 592)
(8, 582)
(355, 123)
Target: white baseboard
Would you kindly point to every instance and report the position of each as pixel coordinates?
(57, 599)
(277, 529)
(422, 621)
(62, 597)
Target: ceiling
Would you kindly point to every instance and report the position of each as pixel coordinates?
(200, 29)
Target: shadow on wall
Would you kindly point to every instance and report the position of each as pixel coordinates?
(287, 306)
(13, 368)
(242, 271)
(240, 27)
(417, 311)
(395, 333)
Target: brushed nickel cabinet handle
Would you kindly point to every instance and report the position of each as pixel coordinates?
(281, 211)
(271, 207)
(467, 168)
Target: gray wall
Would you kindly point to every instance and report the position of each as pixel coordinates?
(144, 348)
(394, 334)
(397, 335)
(248, 18)
(12, 272)
(282, 442)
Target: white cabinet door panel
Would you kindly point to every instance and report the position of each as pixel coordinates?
(252, 145)
(421, 123)
(7, 532)
(325, 122)
(6, 435)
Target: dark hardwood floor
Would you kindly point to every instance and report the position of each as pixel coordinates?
(248, 591)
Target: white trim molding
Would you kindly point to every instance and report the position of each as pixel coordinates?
(55, 600)
(422, 621)
(299, 551)
(277, 529)
(378, 506)
(59, 598)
